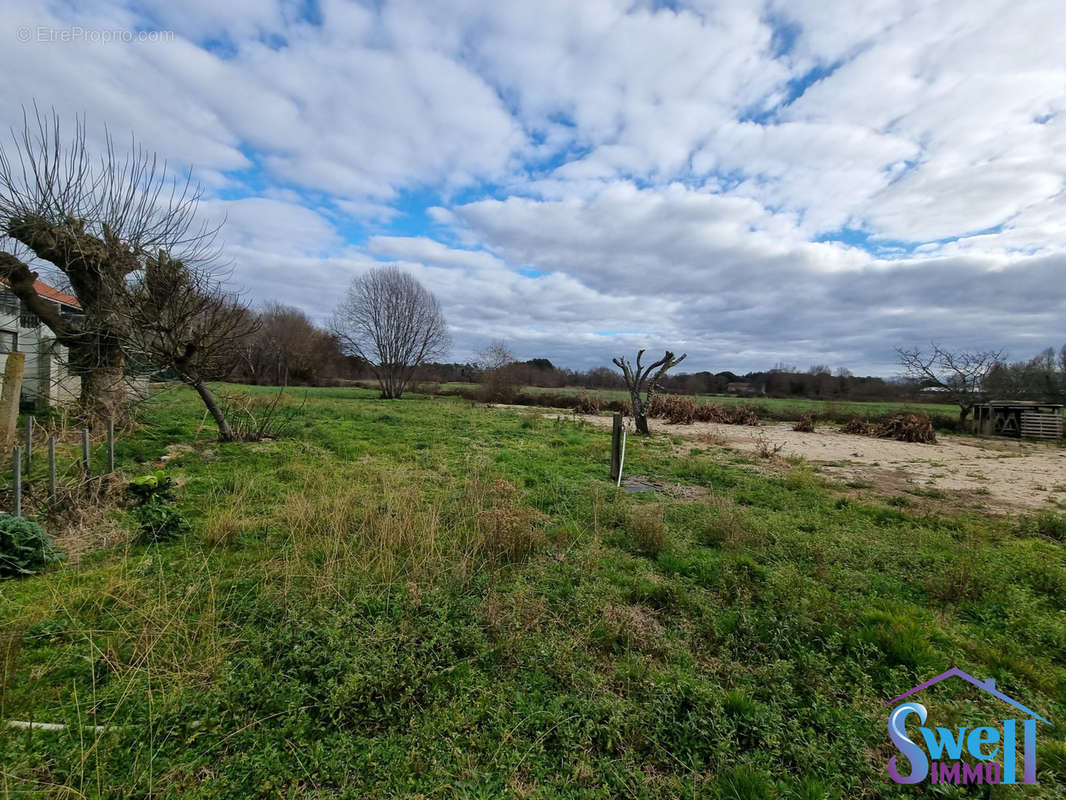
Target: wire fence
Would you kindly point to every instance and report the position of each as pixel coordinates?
(64, 480)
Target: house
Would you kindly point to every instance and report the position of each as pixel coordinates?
(46, 380)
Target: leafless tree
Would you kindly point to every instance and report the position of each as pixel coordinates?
(393, 323)
(499, 373)
(960, 374)
(183, 319)
(288, 348)
(96, 219)
(641, 379)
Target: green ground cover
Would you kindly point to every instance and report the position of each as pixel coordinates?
(422, 598)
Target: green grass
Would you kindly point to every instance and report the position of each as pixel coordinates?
(780, 408)
(420, 598)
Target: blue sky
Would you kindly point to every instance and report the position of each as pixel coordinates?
(806, 181)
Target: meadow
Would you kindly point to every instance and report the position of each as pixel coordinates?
(431, 598)
(944, 415)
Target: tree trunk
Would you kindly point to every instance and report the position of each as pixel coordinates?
(225, 432)
(103, 384)
(639, 417)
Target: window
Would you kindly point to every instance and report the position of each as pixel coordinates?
(9, 304)
(27, 319)
(8, 342)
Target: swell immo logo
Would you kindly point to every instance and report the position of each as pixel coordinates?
(988, 754)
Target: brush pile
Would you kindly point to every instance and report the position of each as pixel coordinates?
(588, 405)
(805, 424)
(684, 411)
(907, 428)
(858, 427)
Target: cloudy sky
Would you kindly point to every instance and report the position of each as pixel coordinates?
(808, 181)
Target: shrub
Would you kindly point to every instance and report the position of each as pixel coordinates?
(805, 424)
(24, 547)
(647, 529)
(507, 528)
(157, 516)
(1044, 524)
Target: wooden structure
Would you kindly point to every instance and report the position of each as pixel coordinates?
(1020, 419)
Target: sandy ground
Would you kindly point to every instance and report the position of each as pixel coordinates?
(998, 474)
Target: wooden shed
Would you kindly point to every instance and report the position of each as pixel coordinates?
(1020, 419)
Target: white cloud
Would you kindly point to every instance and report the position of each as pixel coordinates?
(581, 167)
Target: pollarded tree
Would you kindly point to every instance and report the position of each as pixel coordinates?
(184, 320)
(641, 379)
(393, 323)
(96, 219)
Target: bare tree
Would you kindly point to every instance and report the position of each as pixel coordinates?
(393, 323)
(289, 349)
(184, 320)
(499, 373)
(960, 374)
(95, 219)
(637, 381)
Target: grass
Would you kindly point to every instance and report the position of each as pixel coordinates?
(421, 598)
(776, 408)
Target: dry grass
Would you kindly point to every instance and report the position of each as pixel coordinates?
(588, 405)
(647, 528)
(727, 526)
(388, 526)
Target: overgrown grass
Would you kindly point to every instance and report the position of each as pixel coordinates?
(424, 598)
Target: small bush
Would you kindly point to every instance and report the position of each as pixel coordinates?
(24, 547)
(805, 424)
(1045, 524)
(159, 520)
(157, 516)
(647, 529)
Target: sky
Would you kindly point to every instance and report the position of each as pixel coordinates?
(796, 181)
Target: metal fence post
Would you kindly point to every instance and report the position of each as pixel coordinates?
(52, 468)
(29, 442)
(85, 450)
(616, 447)
(110, 446)
(17, 465)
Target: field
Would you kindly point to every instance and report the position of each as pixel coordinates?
(428, 598)
(779, 408)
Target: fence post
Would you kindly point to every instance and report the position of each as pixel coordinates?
(616, 446)
(52, 468)
(110, 446)
(29, 443)
(85, 450)
(17, 466)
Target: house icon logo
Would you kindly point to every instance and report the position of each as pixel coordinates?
(986, 754)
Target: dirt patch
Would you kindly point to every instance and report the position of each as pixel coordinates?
(995, 473)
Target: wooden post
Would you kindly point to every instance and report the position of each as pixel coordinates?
(110, 446)
(29, 443)
(52, 468)
(17, 466)
(85, 450)
(616, 446)
(9, 396)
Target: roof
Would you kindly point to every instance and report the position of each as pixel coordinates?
(49, 292)
(988, 686)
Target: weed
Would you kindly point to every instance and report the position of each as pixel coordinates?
(647, 529)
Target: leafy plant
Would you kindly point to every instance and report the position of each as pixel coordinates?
(159, 519)
(24, 547)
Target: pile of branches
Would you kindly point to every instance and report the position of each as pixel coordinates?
(902, 427)
(907, 428)
(677, 410)
(588, 405)
(805, 424)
